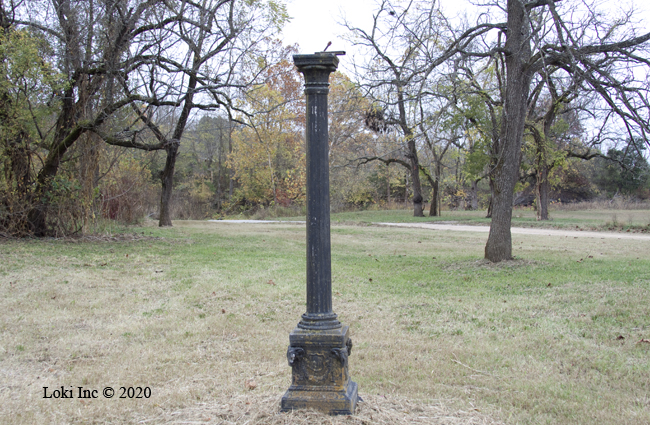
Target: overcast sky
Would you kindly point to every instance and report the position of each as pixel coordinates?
(314, 23)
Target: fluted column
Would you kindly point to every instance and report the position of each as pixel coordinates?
(316, 70)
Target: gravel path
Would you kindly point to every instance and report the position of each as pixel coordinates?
(524, 231)
(483, 229)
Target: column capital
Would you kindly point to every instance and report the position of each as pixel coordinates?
(316, 68)
(316, 62)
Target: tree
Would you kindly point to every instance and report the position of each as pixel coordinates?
(94, 44)
(405, 46)
(268, 153)
(347, 106)
(268, 156)
(135, 73)
(548, 33)
(478, 89)
(624, 171)
(209, 146)
(439, 135)
(198, 65)
(349, 139)
(28, 79)
(549, 125)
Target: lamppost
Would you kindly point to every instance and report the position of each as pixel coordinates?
(320, 345)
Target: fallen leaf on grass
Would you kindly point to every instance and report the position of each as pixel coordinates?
(250, 384)
(620, 337)
(270, 282)
(645, 341)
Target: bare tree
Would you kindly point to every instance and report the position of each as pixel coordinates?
(573, 37)
(198, 65)
(405, 45)
(554, 102)
(474, 89)
(438, 139)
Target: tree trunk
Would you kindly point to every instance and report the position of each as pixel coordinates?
(167, 178)
(499, 244)
(542, 187)
(231, 170)
(18, 178)
(474, 195)
(508, 158)
(217, 202)
(415, 179)
(388, 185)
(434, 209)
(88, 168)
(406, 190)
(490, 202)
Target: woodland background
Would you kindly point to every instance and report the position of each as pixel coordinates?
(121, 110)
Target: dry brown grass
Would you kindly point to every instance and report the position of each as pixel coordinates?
(440, 337)
(618, 203)
(115, 312)
(380, 410)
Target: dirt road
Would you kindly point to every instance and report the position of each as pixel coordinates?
(484, 229)
(524, 231)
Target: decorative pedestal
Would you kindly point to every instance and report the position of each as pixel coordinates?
(320, 379)
(320, 344)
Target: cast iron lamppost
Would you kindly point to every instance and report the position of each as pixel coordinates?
(320, 345)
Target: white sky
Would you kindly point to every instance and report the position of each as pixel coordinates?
(314, 23)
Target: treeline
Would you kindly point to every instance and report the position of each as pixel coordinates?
(123, 109)
(90, 87)
(259, 169)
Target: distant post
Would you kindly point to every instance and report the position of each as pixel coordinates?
(320, 345)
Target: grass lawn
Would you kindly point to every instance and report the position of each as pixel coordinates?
(201, 314)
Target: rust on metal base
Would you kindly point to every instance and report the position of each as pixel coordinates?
(320, 379)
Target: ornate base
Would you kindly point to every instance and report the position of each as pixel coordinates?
(320, 380)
